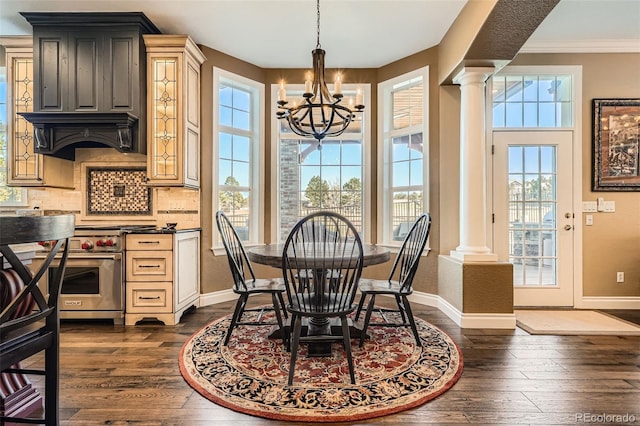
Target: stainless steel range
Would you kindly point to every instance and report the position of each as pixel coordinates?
(93, 285)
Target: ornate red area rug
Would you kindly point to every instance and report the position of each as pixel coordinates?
(250, 374)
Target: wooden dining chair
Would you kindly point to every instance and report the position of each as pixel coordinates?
(329, 246)
(400, 281)
(245, 283)
(29, 321)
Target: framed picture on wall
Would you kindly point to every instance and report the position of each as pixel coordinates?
(616, 145)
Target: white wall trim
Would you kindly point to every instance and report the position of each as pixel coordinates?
(491, 321)
(604, 302)
(426, 299)
(488, 320)
(217, 297)
(582, 46)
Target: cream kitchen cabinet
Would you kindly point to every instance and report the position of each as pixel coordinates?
(173, 104)
(26, 168)
(162, 275)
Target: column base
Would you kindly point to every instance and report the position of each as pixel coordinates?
(474, 256)
(479, 294)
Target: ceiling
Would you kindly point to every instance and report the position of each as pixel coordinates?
(355, 33)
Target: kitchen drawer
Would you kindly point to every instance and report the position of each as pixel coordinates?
(143, 265)
(152, 297)
(149, 242)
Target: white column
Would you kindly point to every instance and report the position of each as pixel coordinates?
(473, 176)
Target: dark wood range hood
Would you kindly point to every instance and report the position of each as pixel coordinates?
(90, 81)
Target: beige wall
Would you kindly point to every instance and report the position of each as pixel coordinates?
(612, 244)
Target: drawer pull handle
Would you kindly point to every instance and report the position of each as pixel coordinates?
(149, 298)
(148, 242)
(148, 266)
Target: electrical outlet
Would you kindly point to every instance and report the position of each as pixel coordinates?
(620, 277)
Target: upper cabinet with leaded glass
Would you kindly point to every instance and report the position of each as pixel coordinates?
(26, 168)
(173, 110)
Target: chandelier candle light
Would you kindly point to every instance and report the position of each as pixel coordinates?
(320, 114)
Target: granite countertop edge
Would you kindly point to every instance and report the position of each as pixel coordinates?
(161, 231)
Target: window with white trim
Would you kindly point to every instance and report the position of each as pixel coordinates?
(403, 156)
(237, 146)
(329, 176)
(532, 101)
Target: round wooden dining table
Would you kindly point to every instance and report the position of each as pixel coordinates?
(271, 255)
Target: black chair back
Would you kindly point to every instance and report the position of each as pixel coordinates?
(29, 321)
(16, 230)
(327, 245)
(238, 261)
(406, 262)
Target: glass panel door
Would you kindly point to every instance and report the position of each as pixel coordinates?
(534, 220)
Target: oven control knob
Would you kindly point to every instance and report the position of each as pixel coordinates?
(87, 245)
(110, 242)
(100, 243)
(44, 243)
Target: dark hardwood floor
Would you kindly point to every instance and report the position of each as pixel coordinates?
(129, 375)
(630, 315)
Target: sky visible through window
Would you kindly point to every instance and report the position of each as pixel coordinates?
(532, 101)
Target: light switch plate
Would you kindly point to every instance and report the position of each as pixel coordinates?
(609, 206)
(589, 206)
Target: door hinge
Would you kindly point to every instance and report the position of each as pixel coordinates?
(493, 218)
(493, 149)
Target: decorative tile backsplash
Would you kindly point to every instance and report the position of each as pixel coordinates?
(118, 191)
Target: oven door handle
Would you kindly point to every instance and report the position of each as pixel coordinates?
(101, 256)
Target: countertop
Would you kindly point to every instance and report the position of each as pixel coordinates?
(160, 230)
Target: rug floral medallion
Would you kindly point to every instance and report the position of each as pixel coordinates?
(250, 374)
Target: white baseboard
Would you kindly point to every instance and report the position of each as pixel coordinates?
(597, 302)
(488, 320)
(496, 321)
(500, 321)
(426, 299)
(217, 297)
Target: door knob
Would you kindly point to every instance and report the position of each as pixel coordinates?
(568, 227)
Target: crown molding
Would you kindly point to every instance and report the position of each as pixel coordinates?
(582, 46)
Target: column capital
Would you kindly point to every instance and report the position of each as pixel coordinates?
(469, 75)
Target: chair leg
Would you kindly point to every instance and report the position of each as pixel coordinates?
(367, 318)
(276, 308)
(297, 329)
(360, 305)
(52, 382)
(347, 347)
(282, 305)
(401, 309)
(237, 314)
(412, 321)
(289, 330)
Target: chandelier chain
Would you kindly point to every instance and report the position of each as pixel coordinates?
(320, 114)
(318, 25)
